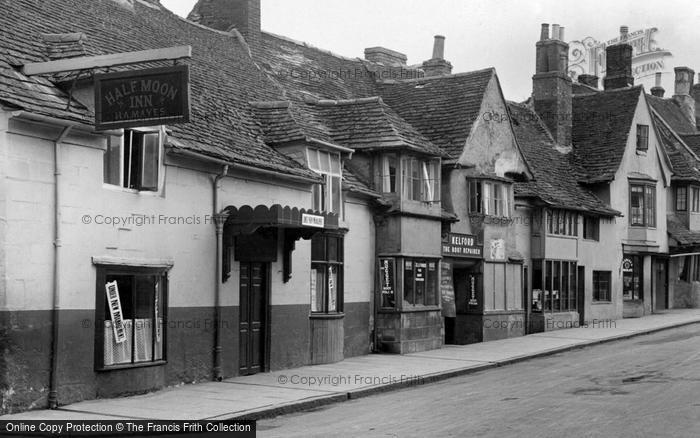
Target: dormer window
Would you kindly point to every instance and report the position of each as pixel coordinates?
(133, 160)
(327, 196)
(420, 179)
(642, 137)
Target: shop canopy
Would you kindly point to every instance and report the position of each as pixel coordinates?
(247, 219)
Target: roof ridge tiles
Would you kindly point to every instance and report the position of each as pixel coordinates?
(335, 102)
(311, 46)
(432, 78)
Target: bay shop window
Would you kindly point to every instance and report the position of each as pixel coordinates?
(133, 160)
(130, 314)
(327, 255)
(408, 282)
(417, 179)
(554, 286)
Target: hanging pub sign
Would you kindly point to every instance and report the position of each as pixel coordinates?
(142, 98)
(388, 287)
(461, 245)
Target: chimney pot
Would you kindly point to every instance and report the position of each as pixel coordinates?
(657, 90)
(555, 31)
(683, 92)
(561, 33)
(439, 47)
(624, 32)
(544, 33)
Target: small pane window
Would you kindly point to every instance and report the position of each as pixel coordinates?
(601, 285)
(681, 198)
(326, 273)
(642, 137)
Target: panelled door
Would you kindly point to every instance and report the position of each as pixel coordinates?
(253, 309)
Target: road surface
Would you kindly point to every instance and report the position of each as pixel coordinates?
(647, 386)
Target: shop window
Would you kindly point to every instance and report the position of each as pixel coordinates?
(558, 292)
(562, 222)
(695, 199)
(133, 160)
(327, 273)
(591, 228)
(642, 137)
(420, 282)
(420, 179)
(681, 198)
(131, 308)
(389, 173)
(642, 205)
(601, 285)
(632, 269)
(327, 196)
(489, 198)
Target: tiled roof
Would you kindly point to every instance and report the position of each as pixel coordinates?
(693, 142)
(672, 114)
(601, 124)
(679, 231)
(354, 184)
(224, 79)
(442, 108)
(684, 164)
(551, 166)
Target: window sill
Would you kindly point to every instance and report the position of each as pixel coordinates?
(601, 303)
(562, 236)
(130, 366)
(411, 309)
(591, 240)
(642, 152)
(327, 316)
(116, 188)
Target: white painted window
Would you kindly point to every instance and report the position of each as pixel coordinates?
(133, 160)
(328, 195)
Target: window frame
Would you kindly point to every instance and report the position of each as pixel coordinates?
(642, 137)
(602, 295)
(591, 225)
(101, 315)
(648, 209)
(488, 197)
(695, 199)
(638, 271)
(428, 300)
(681, 199)
(562, 222)
(565, 272)
(420, 175)
(326, 263)
(328, 195)
(124, 182)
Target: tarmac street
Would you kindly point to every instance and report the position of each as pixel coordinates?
(645, 386)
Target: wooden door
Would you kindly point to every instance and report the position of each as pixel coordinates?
(252, 325)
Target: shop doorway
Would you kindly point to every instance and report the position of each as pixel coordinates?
(254, 292)
(660, 285)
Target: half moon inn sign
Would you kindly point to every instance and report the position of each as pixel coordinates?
(142, 98)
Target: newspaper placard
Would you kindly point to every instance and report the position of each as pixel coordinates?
(115, 310)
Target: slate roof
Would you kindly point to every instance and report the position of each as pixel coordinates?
(224, 78)
(601, 124)
(672, 114)
(684, 163)
(679, 231)
(551, 166)
(693, 142)
(442, 108)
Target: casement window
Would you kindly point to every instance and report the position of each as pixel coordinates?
(327, 273)
(643, 205)
(420, 179)
(591, 228)
(131, 308)
(601, 285)
(554, 286)
(632, 278)
(489, 198)
(562, 222)
(420, 282)
(681, 198)
(328, 195)
(695, 199)
(133, 160)
(389, 173)
(642, 137)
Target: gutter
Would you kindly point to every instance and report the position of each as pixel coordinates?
(243, 167)
(55, 314)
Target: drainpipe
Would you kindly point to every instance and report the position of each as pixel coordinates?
(53, 384)
(219, 220)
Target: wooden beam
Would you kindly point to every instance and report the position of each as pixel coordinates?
(111, 60)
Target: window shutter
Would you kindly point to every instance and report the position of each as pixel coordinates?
(149, 162)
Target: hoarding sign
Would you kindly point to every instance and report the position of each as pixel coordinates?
(387, 280)
(142, 98)
(461, 245)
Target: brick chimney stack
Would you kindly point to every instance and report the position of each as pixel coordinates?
(243, 15)
(657, 90)
(682, 91)
(382, 55)
(618, 60)
(437, 66)
(696, 97)
(551, 84)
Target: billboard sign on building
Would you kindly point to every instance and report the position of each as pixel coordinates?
(142, 98)
(587, 56)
